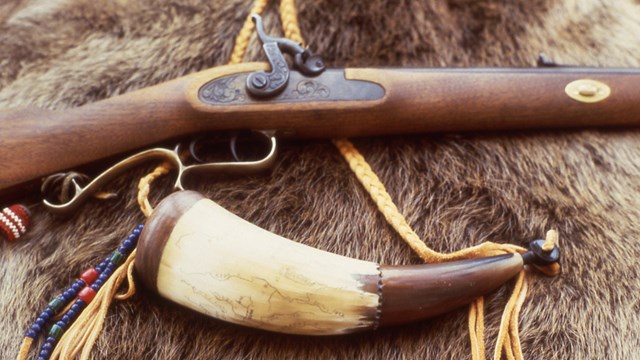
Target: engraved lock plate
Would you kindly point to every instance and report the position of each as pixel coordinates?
(331, 85)
(587, 90)
(264, 84)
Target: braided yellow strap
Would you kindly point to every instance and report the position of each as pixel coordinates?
(508, 337)
(289, 18)
(242, 40)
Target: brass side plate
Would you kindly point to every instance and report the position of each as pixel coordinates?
(587, 90)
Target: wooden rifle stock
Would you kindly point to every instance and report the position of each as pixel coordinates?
(337, 103)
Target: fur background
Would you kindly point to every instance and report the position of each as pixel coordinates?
(455, 190)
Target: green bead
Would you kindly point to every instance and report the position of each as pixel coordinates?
(56, 304)
(56, 332)
(117, 258)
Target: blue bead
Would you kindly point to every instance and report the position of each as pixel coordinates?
(36, 328)
(47, 346)
(47, 313)
(42, 358)
(72, 314)
(40, 321)
(97, 285)
(75, 306)
(32, 334)
(137, 231)
(78, 286)
(66, 319)
(61, 324)
(45, 353)
(68, 295)
(51, 340)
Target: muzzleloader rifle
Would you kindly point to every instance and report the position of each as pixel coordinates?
(310, 101)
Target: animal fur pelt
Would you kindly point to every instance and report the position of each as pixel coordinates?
(455, 190)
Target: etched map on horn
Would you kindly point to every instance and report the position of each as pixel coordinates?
(216, 263)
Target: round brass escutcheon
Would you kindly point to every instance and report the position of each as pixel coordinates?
(587, 90)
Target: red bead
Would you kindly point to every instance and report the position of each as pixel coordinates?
(87, 294)
(14, 221)
(7, 229)
(23, 213)
(89, 276)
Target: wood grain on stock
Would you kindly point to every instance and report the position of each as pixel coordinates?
(415, 101)
(63, 139)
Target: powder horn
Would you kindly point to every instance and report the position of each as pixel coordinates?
(195, 253)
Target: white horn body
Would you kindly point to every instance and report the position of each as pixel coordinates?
(198, 254)
(219, 264)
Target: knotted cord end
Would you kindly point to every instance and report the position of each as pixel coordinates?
(544, 255)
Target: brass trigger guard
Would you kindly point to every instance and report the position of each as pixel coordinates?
(82, 194)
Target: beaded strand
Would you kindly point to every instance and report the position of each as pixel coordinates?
(82, 290)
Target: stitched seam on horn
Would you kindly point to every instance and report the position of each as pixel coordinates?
(376, 322)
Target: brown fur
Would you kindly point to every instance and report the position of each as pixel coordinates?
(456, 190)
